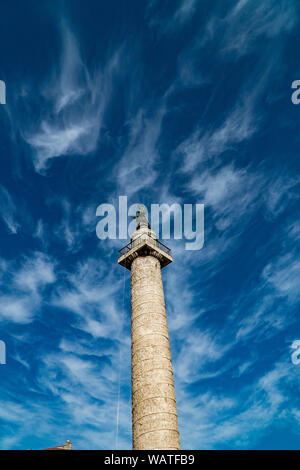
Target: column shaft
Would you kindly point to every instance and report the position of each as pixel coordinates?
(154, 414)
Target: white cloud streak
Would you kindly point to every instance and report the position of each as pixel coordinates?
(24, 285)
(76, 106)
(8, 211)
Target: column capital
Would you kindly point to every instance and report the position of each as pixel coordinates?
(144, 245)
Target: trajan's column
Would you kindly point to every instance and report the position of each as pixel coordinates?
(154, 413)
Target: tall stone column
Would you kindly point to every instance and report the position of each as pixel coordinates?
(154, 413)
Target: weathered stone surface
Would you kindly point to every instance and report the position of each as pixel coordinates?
(149, 440)
(154, 414)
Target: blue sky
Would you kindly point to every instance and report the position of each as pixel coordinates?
(185, 101)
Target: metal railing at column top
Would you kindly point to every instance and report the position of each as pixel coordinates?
(133, 243)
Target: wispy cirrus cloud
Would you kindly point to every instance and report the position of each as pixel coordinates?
(283, 190)
(275, 292)
(207, 143)
(76, 102)
(283, 275)
(203, 145)
(218, 421)
(91, 294)
(136, 169)
(8, 211)
(182, 12)
(94, 404)
(185, 10)
(23, 286)
(246, 22)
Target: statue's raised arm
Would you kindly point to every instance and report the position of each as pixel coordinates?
(141, 218)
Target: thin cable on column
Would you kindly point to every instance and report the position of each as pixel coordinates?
(119, 371)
